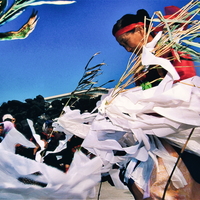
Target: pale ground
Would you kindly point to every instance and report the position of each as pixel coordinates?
(111, 193)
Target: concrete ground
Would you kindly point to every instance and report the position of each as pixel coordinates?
(111, 193)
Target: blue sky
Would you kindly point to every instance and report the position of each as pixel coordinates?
(52, 59)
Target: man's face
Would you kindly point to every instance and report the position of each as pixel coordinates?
(49, 130)
(131, 41)
(59, 135)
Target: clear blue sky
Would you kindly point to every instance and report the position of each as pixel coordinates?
(52, 59)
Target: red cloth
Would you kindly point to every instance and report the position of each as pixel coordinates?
(170, 10)
(185, 68)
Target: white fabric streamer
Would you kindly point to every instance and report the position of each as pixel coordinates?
(132, 123)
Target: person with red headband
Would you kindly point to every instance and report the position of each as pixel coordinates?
(129, 32)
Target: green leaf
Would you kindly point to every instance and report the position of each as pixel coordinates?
(195, 44)
(90, 73)
(99, 65)
(91, 60)
(51, 2)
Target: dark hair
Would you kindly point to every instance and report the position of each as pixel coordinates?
(48, 123)
(131, 19)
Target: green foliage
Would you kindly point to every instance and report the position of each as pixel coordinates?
(88, 81)
(17, 8)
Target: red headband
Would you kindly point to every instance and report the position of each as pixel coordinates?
(127, 28)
